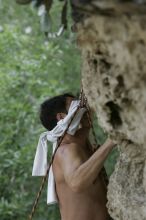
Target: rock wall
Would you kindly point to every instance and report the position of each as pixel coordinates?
(114, 79)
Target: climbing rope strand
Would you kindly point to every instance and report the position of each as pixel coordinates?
(103, 171)
(85, 101)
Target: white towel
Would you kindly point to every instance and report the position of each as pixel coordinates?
(40, 161)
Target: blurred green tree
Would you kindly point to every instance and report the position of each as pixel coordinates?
(31, 69)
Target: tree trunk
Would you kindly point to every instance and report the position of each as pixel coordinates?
(114, 80)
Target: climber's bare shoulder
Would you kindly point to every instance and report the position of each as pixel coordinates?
(77, 203)
(68, 158)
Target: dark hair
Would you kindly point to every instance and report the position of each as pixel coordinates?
(50, 108)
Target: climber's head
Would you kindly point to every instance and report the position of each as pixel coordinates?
(54, 109)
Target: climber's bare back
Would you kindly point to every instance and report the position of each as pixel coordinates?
(78, 204)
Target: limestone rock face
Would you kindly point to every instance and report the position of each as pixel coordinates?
(114, 80)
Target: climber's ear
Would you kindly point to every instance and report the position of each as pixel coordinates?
(60, 116)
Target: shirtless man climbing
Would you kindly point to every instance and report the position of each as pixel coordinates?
(80, 188)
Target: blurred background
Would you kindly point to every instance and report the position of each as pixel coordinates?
(32, 69)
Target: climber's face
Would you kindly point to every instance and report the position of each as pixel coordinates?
(84, 120)
(62, 115)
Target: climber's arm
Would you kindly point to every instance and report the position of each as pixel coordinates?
(80, 174)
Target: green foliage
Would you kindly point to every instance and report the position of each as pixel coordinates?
(31, 69)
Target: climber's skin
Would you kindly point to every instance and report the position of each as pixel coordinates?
(80, 188)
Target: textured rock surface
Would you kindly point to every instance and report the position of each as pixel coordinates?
(114, 80)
